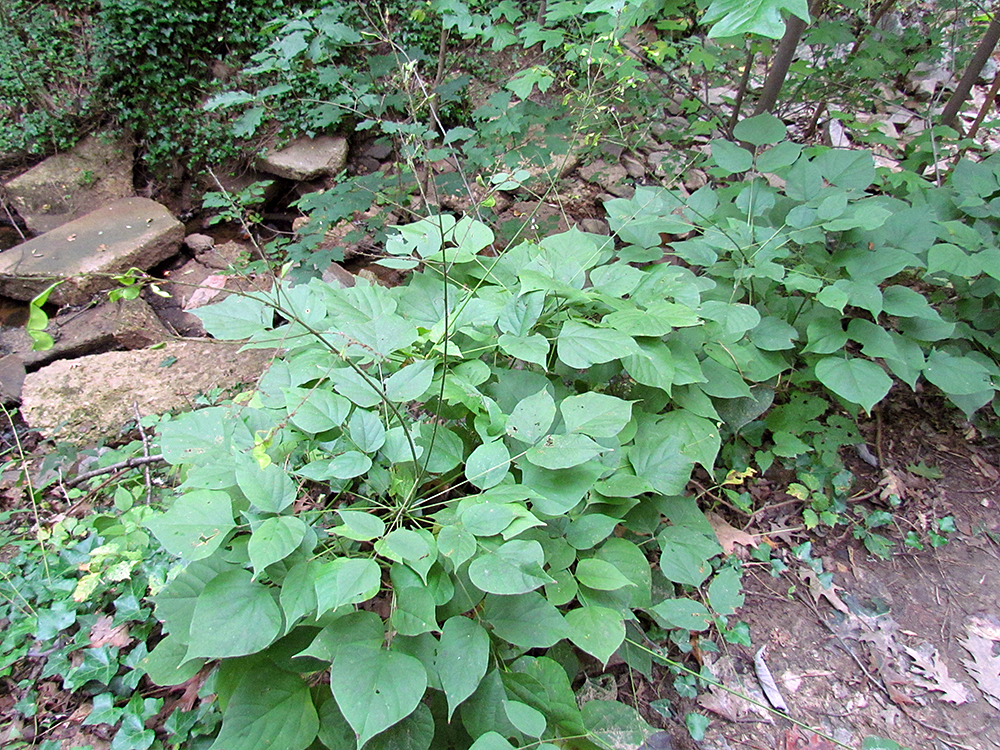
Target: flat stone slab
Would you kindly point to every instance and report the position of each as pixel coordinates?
(67, 186)
(307, 158)
(126, 324)
(92, 397)
(86, 252)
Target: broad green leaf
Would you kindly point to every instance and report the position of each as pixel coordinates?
(519, 313)
(532, 417)
(415, 732)
(579, 346)
(268, 489)
(737, 17)
(730, 157)
(462, 659)
(236, 317)
(526, 620)
(316, 411)
(366, 431)
(614, 725)
(563, 451)
(225, 607)
(700, 436)
(167, 664)
(415, 548)
(629, 560)
(525, 718)
(597, 630)
(359, 525)
(600, 575)
(487, 465)
(778, 157)
(269, 708)
(658, 457)
(274, 540)
(590, 530)
(760, 130)
(595, 414)
(346, 465)
(652, 366)
(685, 554)
(725, 592)
(413, 613)
(361, 629)
(559, 490)
(533, 348)
(515, 567)
(195, 525)
(847, 168)
(683, 613)
(375, 688)
(298, 592)
(346, 581)
(544, 685)
(855, 380)
(411, 382)
(487, 518)
(484, 712)
(957, 375)
(491, 741)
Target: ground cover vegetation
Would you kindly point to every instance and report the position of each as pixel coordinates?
(447, 498)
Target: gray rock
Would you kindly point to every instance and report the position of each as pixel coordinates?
(306, 159)
(11, 379)
(91, 397)
(86, 252)
(608, 176)
(199, 243)
(988, 73)
(67, 186)
(337, 275)
(634, 167)
(595, 226)
(129, 324)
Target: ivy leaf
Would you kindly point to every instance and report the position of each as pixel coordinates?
(343, 581)
(685, 614)
(957, 375)
(614, 725)
(236, 317)
(415, 732)
(579, 346)
(855, 380)
(597, 630)
(525, 718)
(269, 708)
(738, 17)
(375, 688)
(269, 489)
(513, 568)
(367, 431)
(462, 659)
(195, 525)
(359, 525)
(533, 348)
(725, 592)
(223, 613)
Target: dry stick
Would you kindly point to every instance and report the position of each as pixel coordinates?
(129, 463)
(986, 46)
(741, 91)
(145, 451)
(782, 60)
(13, 222)
(990, 98)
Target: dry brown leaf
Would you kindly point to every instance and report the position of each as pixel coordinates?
(209, 288)
(103, 634)
(728, 704)
(983, 627)
(729, 536)
(983, 667)
(892, 484)
(817, 590)
(934, 674)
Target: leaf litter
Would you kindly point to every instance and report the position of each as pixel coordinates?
(984, 666)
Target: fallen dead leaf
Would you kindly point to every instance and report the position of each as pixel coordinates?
(984, 666)
(795, 739)
(934, 674)
(209, 288)
(730, 536)
(892, 484)
(817, 590)
(103, 634)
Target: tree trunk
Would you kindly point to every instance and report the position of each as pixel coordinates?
(986, 46)
(783, 57)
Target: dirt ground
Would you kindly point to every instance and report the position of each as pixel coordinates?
(902, 648)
